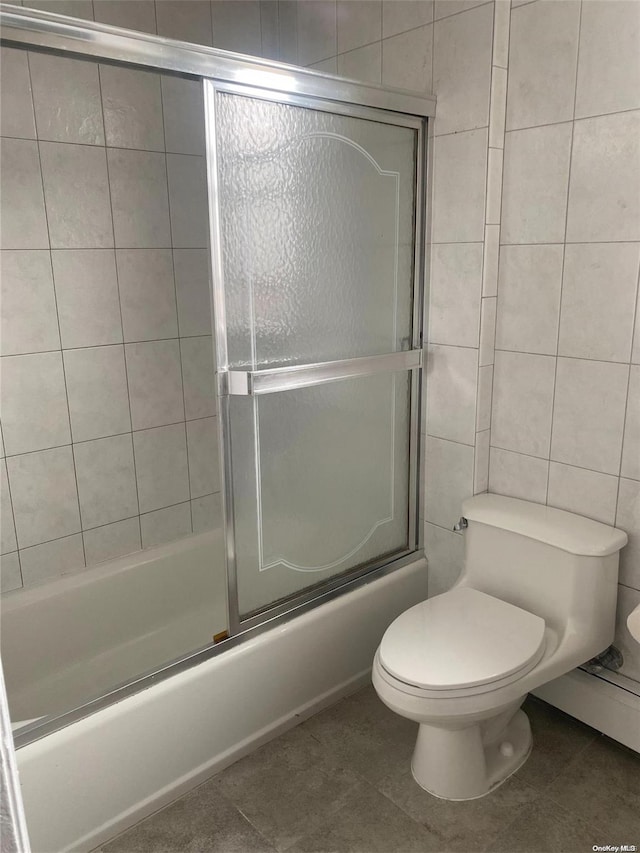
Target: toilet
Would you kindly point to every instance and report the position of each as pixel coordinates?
(536, 597)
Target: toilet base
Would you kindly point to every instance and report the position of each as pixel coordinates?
(469, 763)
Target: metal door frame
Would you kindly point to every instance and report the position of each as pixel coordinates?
(222, 70)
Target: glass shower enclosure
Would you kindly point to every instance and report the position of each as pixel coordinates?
(315, 189)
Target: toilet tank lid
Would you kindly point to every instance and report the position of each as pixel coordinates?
(564, 530)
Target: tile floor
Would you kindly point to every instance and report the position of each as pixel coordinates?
(341, 782)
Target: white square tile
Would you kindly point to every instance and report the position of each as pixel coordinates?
(185, 20)
(106, 480)
(449, 480)
(204, 464)
(317, 30)
(364, 63)
(165, 525)
(16, 106)
(130, 14)
(628, 600)
(147, 294)
(7, 527)
(237, 30)
(87, 292)
(542, 63)
(534, 190)
(10, 577)
(29, 319)
(132, 105)
(398, 16)
(481, 462)
(460, 168)
(529, 298)
(609, 62)
(518, 476)
(522, 402)
(462, 47)
(407, 60)
(72, 8)
(587, 493)
(486, 354)
(161, 467)
(287, 32)
(188, 201)
(183, 106)
(206, 513)
(635, 350)
(490, 260)
(191, 267)
(485, 389)
(498, 108)
(51, 559)
(155, 383)
(604, 202)
(138, 182)
(598, 300)
(452, 374)
(443, 8)
(34, 402)
(631, 445)
(66, 98)
(24, 224)
(358, 23)
(628, 518)
(112, 540)
(97, 388)
(198, 374)
(495, 159)
(444, 551)
(44, 495)
(588, 418)
(501, 28)
(454, 294)
(77, 196)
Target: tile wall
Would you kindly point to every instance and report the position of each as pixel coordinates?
(109, 429)
(534, 338)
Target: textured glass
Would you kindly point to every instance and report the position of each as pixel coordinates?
(317, 231)
(321, 483)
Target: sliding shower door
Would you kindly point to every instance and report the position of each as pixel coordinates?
(318, 339)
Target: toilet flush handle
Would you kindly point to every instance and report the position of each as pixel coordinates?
(462, 524)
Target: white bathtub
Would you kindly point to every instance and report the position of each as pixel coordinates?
(76, 638)
(83, 784)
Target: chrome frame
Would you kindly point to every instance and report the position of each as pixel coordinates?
(224, 71)
(45, 30)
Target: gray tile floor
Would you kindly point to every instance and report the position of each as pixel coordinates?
(341, 782)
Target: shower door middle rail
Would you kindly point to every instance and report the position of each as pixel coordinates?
(269, 381)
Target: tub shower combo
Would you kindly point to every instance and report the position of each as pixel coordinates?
(233, 268)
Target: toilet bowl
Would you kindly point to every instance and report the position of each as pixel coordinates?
(536, 597)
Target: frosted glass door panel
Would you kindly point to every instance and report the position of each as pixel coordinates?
(329, 489)
(317, 221)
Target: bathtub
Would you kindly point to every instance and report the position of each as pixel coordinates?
(68, 641)
(79, 636)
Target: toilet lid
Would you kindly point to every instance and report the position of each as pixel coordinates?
(461, 638)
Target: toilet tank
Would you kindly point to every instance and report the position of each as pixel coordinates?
(560, 566)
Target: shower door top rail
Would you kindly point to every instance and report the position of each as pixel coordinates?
(49, 31)
(269, 381)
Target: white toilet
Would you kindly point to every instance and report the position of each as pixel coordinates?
(536, 597)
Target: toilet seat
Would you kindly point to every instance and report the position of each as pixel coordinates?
(461, 642)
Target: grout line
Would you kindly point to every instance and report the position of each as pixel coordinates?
(552, 461)
(567, 120)
(124, 350)
(175, 291)
(100, 145)
(564, 252)
(55, 297)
